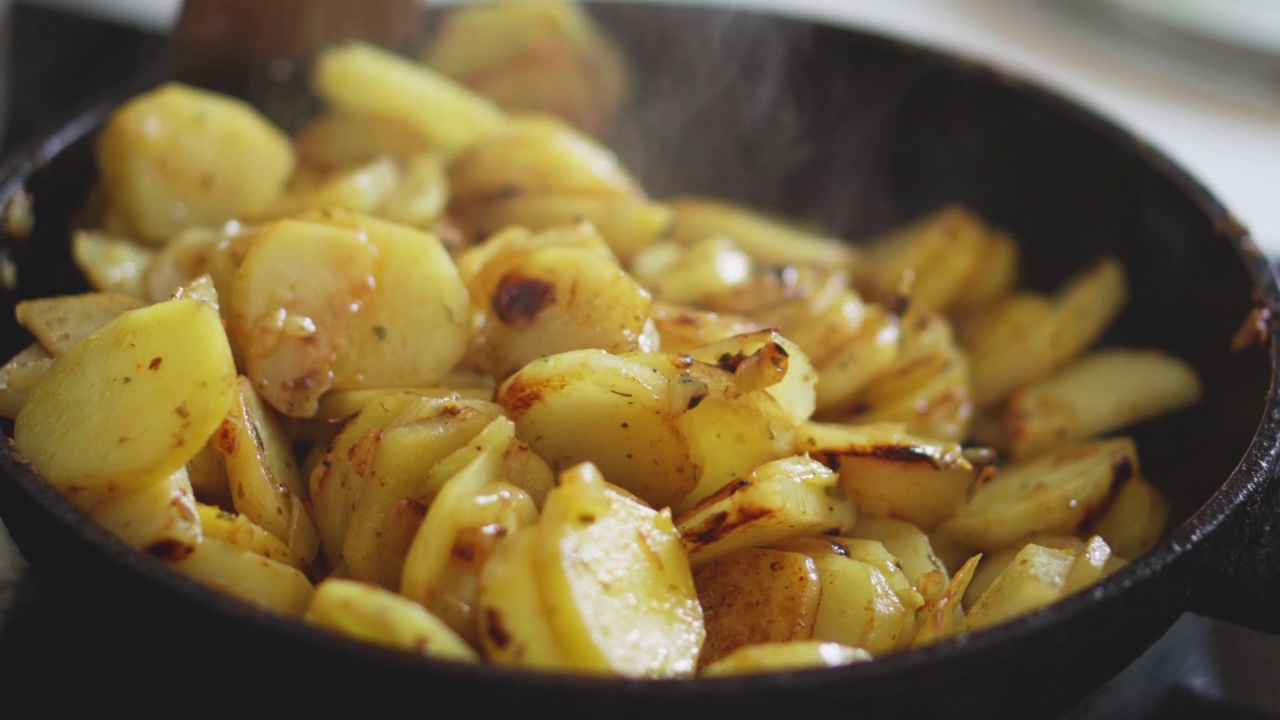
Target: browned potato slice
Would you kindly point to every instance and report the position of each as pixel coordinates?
(756, 595)
(293, 299)
(683, 328)
(160, 519)
(770, 657)
(178, 157)
(112, 264)
(376, 615)
(412, 328)
(538, 297)
(942, 615)
(474, 509)
(341, 140)
(613, 411)
(360, 78)
(1035, 578)
(249, 576)
(239, 531)
(767, 361)
(512, 613)
(1102, 391)
(1025, 337)
(890, 472)
(791, 497)
(617, 584)
(161, 378)
(769, 240)
(1135, 520)
(1053, 493)
(263, 477)
(871, 552)
(1093, 561)
(905, 541)
(62, 321)
(628, 224)
(935, 258)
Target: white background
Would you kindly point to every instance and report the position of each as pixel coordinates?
(1212, 112)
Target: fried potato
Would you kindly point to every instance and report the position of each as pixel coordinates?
(376, 615)
(360, 78)
(178, 156)
(905, 541)
(1136, 518)
(160, 519)
(110, 263)
(768, 240)
(785, 656)
(160, 377)
(19, 375)
(246, 574)
(62, 321)
(627, 223)
(241, 532)
(1036, 577)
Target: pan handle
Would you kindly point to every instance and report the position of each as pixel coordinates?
(1236, 577)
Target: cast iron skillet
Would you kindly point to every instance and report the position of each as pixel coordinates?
(858, 133)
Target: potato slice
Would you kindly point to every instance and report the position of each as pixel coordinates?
(374, 614)
(683, 328)
(291, 303)
(19, 375)
(936, 257)
(769, 240)
(62, 321)
(112, 264)
(617, 584)
(265, 482)
(693, 274)
(511, 612)
(1054, 493)
(942, 616)
(471, 513)
(361, 78)
(1035, 578)
(994, 563)
(239, 531)
(249, 576)
(160, 519)
(892, 473)
(628, 224)
(421, 196)
(1101, 392)
(182, 259)
(161, 378)
(336, 140)
(1135, 520)
(178, 156)
(362, 188)
(755, 595)
(772, 657)
(786, 498)
(905, 541)
(859, 607)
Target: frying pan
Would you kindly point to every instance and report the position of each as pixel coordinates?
(858, 133)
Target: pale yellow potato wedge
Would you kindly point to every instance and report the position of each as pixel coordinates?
(617, 584)
(766, 361)
(62, 321)
(158, 379)
(1027, 339)
(935, 258)
(361, 78)
(1053, 493)
(694, 273)
(185, 257)
(178, 156)
(291, 305)
(872, 350)
(160, 519)
(361, 188)
(791, 497)
(859, 607)
(754, 596)
(19, 375)
(241, 532)
(1035, 578)
(336, 140)
(994, 563)
(785, 656)
(769, 240)
(537, 155)
(421, 195)
(628, 224)
(413, 325)
(1093, 561)
(890, 472)
(510, 608)
(1100, 392)
(249, 576)
(472, 512)
(1135, 520)
(871, 552)
(265, 483)
(590, 405)
(374, 614)
(905, 541)
(110, 263)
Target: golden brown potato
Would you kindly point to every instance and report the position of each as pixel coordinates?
(178, 157)
(377, 615)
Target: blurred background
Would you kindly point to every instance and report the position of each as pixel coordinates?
(1198, 79)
